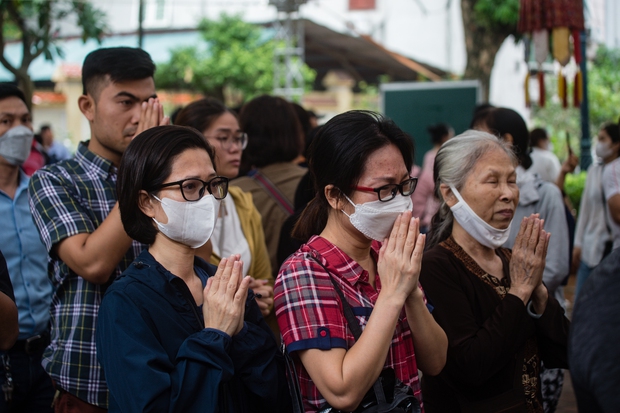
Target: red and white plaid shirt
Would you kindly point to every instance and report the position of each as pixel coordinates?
(310, 314)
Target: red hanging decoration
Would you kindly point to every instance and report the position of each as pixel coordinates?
(541, 87)
(526, 87)
(577, 90)
(577, 46)
(564, 94)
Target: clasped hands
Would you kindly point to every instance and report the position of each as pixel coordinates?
(151, 115)
(400, 259)
(528, 263)
(224, 297)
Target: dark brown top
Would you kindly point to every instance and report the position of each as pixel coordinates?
(494, 345)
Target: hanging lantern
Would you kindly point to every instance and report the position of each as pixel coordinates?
(560, 18)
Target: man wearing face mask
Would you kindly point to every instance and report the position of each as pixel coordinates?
(26, 386)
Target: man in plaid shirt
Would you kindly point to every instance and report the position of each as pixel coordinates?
(74, 207)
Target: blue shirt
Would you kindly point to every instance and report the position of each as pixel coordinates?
(26, 259)
(159, 357)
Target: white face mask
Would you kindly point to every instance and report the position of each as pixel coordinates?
(375, 219)
(190, 223)
(15, 144)
(603, 150)
(475, 226)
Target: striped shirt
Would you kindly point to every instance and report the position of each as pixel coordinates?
(310, 315)
(69, 198)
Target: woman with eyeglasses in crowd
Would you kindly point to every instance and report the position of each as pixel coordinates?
(361, 234)
(176, 333)
(238, 229)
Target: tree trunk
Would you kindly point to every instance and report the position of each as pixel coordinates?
(481, 45)
(25, 83)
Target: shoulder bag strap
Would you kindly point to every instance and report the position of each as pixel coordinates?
(353, 326)
(293, 381)
(273, 192)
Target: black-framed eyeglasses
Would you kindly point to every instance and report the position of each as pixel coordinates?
(389, 191)
(226, 141)
(193, 189)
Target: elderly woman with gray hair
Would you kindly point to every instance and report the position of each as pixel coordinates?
(498, 315)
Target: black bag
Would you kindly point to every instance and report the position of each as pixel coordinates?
(388, 394)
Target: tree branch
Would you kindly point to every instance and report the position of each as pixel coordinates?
(3, 60)
(21, 24)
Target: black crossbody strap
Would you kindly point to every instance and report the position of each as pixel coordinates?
(354, 326)
(293, 381)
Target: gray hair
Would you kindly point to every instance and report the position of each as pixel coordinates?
(454, 162)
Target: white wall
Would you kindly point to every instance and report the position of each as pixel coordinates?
(612, 27)
(508, 77)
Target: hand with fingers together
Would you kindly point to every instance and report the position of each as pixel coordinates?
(400, 258)
(151, 114)
(528, 259)
(224, 297)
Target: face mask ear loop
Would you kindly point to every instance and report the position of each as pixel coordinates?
(457, 194)
(348, 199)
(157, 222)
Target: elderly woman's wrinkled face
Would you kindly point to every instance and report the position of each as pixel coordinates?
(491, 189)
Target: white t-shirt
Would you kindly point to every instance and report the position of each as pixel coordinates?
(228, 237)
(545, 164)
(611, 186)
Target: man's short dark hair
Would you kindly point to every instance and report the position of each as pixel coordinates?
(45, 128)
(8, 90)
(116, 64)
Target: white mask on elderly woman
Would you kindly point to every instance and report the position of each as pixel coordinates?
(375, 219)
(475, 226)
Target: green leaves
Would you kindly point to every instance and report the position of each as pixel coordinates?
(36, 23)
(604, 87)
(235, 59)
(494, 13)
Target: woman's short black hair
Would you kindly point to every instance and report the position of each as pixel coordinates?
(538, 135)
(438, 132)
(500, 121)
(274, 132)
(201, 114)
(145, 165)
(613, 130)
(338, 155)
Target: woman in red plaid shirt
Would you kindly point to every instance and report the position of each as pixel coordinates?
(359, 227)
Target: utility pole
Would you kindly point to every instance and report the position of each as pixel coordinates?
(140, 21)
(288, 80)
(586, 156)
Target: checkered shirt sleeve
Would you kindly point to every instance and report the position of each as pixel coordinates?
(309, 308)
(54, 206)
